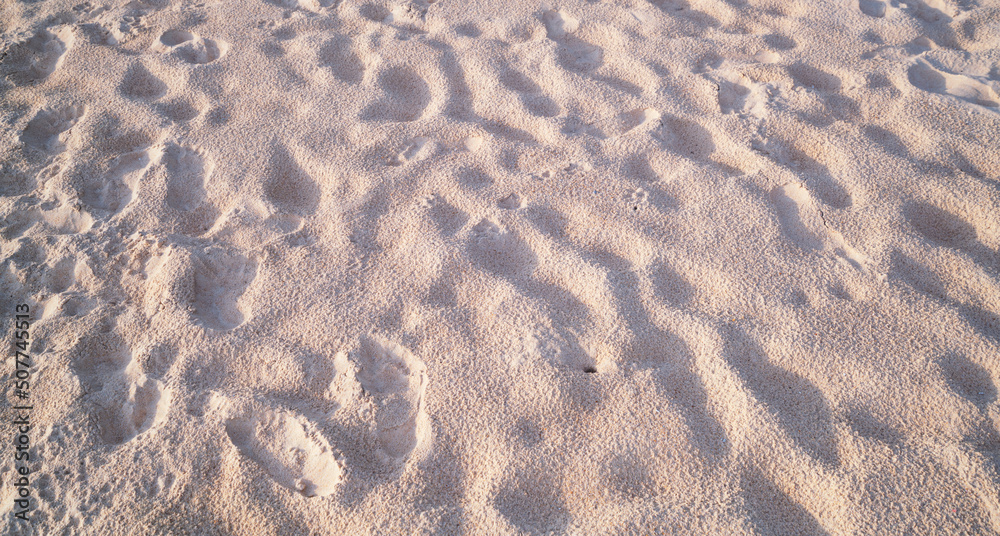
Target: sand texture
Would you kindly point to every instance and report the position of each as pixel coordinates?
(483, 267)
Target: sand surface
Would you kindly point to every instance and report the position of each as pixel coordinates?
(503, 267)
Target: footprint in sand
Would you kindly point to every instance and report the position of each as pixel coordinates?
(643, 166)
(692, 21)
(925, 280)
(930, 10)
(406, 95)
(206, 284)
(806, 75)
(340, 55)
(511, 202)
(469, 29)
(917, 276)
(143, 406)
(940, 226)
(772, 511)
(37, 58)
(638, 200)
(578, 55)
(44, 131)
(290, 449)
(117, 189)
(398, 381)
(219, 280)
(804, 223)
(373, 12)
(685, 137)
(799, 407)
(288, 187)
(178, 110)
(975, 383)
(189, 47)
(950, 228)
(129, 27)
(172, 38)
(739, 95)
(61, 275)
(139, 83)
(559, 23)
(253, 222)
(500, 252)
(64, 219)
(803, 159)
(867, 425)
(573, 53)
(530, 93)
(872, 8)
(68, 305)
(128, 403)
(923, 76)
(415, 150)
(969, 380)
(670, 285)
(188, 170)
(446, 216)
(778, 41)
(99, 357)
(671, 6)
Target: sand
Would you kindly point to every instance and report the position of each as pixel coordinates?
(501, 267)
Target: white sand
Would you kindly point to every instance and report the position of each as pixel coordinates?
(502, 267)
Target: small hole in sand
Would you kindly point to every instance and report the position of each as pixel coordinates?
(172, 38)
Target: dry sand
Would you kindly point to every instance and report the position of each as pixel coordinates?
(504, 267)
